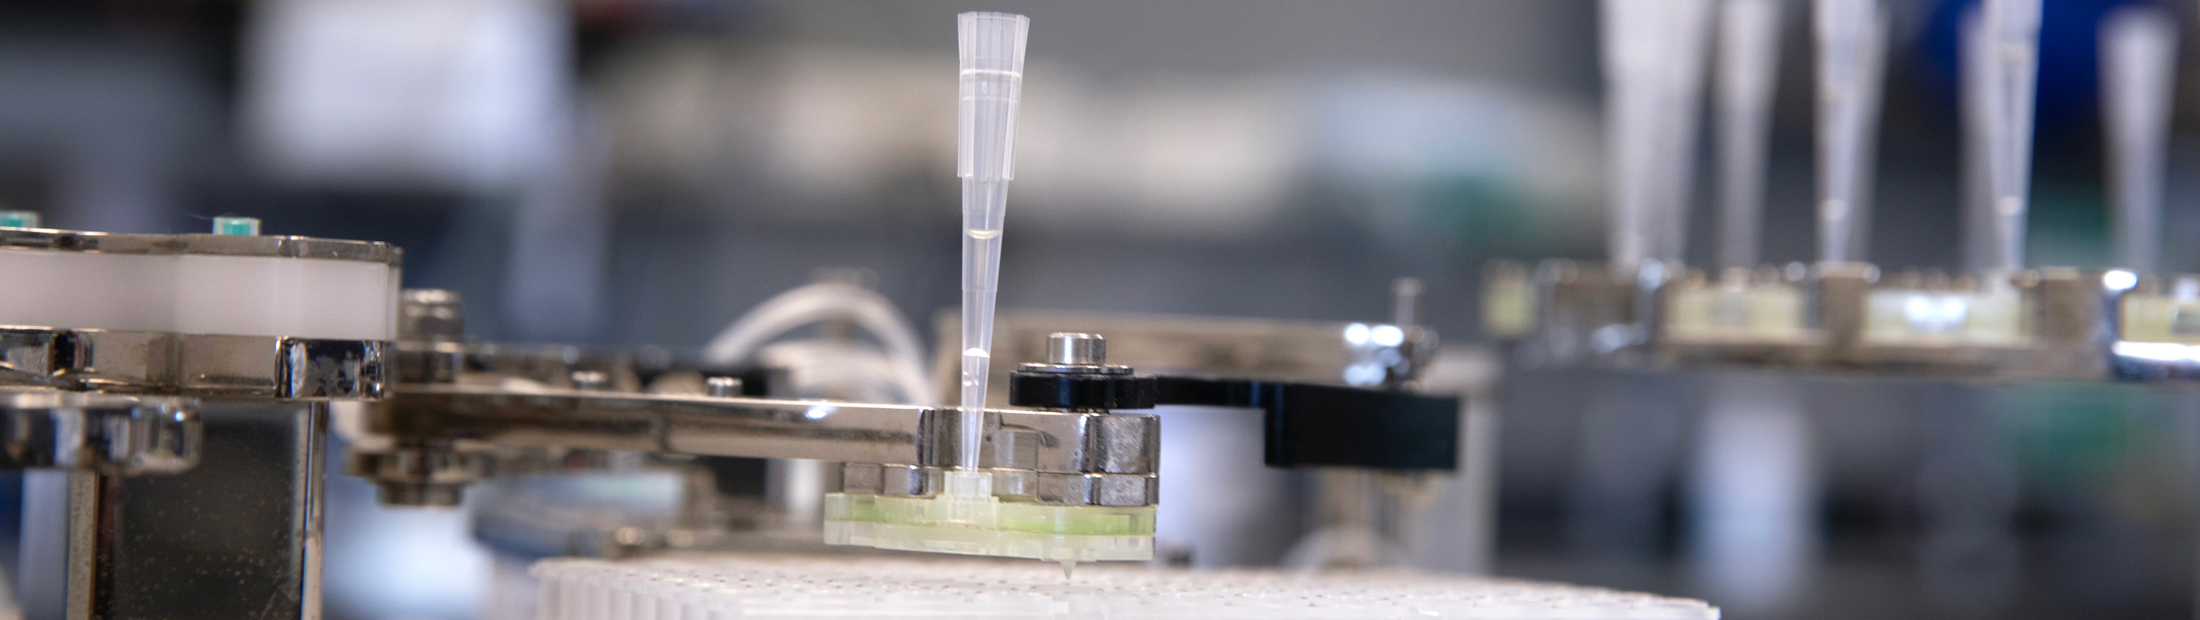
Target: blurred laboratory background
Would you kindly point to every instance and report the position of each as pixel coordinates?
(644, 172)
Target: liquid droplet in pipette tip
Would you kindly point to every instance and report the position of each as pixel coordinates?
(1068, 566)
(976, 352)
(980, 233)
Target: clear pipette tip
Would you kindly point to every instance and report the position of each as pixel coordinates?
(1848, 33)
(2012, 32)
(1749, 48)
(1653, 67)
(2138, 79)
(991, 50)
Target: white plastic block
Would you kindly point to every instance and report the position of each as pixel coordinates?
(272, 296)
(200, 294)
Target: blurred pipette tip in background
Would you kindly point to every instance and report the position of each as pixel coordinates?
(1654, 66)
(2012, 68)
(2138, 73)
(1850, 33)
(1749, 52)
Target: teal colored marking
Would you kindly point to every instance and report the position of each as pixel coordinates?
(229, 225)
(18, 219)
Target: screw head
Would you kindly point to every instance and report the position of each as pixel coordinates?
(1076, 349)
(430, 314)
(722, 387)
(591, 380)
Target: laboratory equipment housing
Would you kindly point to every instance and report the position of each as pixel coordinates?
(689, 207)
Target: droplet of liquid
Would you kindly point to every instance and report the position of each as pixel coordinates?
(980, 233)
(1067, 567)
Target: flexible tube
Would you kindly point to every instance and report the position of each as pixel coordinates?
(821, 302)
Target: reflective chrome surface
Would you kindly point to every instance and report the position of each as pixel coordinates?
(430, 315)
(101, 433)
(202, 365)
(199, 244)
(1333, 353)
(237, 535)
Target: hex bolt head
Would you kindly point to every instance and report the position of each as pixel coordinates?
(591, 380)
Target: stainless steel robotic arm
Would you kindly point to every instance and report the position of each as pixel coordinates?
(465, 412)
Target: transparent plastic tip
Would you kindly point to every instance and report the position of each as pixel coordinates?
(1850, 35)
(2012, 33)
(2138, 73)
(1654, 68)
(1631, 51)
(1749, 52)
(991, 47)
(1979, 253)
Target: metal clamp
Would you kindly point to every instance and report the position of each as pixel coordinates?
(1307, 424)
(1076, 376)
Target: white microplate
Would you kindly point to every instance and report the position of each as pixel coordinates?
(828, 588)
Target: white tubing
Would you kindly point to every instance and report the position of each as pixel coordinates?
(821, 302)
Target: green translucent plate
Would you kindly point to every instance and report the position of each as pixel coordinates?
(988, 526)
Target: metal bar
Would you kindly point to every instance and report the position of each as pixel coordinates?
(766, 428)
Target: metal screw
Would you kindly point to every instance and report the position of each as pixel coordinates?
(722, 387)
(1405, 302)
(430, 314)
(1075, 349)
(591, 380)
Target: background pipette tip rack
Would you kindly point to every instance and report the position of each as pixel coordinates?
(2002, 317)
(829, 588)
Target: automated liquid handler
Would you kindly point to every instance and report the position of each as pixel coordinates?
(170, 398)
